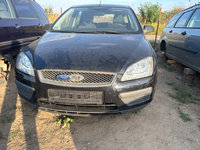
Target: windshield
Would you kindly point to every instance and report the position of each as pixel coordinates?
(97, 19)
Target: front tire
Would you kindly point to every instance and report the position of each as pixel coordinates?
(163, 49)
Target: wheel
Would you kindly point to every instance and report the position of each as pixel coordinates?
(163, 49)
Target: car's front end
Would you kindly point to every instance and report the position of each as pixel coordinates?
(102, 93)
(87, 73)
(114, 97)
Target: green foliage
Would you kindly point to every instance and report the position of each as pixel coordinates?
(137, 112)
(184, 117)
(152, 44)
(16, 134)
(167, 15)
(169, 67)
(149, 12)
(182, 94)
(170, 84)
(48, 10)
(64, 121)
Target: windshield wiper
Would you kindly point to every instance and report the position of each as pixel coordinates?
(92, 32)
(111, 32)
(67, 31)
(104, 32)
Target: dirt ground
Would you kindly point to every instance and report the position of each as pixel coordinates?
(166, 124)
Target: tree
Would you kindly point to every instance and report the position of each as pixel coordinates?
(176, 10)
(48, 10)
(167, 15)
(149, 12)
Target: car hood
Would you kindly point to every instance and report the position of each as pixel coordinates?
(90, 52)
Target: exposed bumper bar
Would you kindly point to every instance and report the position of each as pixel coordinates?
(100, 113)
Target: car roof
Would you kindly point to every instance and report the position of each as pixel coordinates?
(102, 5)
(190, 8)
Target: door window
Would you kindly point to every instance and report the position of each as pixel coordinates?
(195, 20)
(40, 12)
(183, 20)
(173, 21)
(24, 9)
(5, 10)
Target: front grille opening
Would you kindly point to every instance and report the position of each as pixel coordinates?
(89, 78)
(81, 107)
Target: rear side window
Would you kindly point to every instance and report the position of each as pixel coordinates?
(40, 12)
(173, 21)
(183, 20)
(24, 9)
(5, 10)
(195, 20)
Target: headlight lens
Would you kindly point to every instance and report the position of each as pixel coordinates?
(24, 64)
(141, 69)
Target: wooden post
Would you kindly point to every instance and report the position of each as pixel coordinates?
(157, 29)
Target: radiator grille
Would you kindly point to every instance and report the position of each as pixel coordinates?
(89, 78)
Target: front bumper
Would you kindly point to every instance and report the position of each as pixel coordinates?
(120, 97)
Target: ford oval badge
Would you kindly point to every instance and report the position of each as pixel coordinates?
(63, 77)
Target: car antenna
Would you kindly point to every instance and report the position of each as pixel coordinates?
(100, 3)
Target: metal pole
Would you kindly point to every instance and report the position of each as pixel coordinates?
(157, 29)
(60, 11)
(100, 3)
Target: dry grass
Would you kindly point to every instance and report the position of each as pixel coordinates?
(52, 18)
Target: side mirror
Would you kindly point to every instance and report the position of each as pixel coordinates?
(148, 28)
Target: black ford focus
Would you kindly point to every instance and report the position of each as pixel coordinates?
(94, 60)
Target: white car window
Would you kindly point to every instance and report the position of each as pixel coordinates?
(183, 20)
(5, 10)
(195, 20)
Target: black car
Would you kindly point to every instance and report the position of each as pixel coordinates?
(181, 37)
(21, 22)
(95, 60)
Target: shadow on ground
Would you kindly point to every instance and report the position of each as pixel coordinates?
(8, 116)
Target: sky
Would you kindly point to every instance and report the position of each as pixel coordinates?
(65, 4)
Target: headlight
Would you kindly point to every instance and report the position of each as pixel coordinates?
(141, 69)
(24, 64)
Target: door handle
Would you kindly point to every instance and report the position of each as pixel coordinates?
(184, 33)
(170, 31)
(17, 26)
